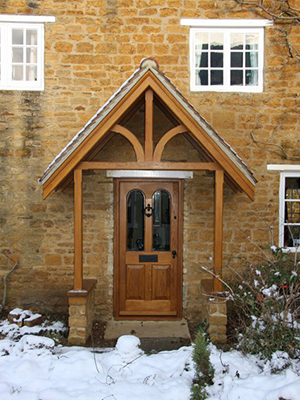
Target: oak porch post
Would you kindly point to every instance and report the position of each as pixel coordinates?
(78, 230)
(148, 125)
(218, 249)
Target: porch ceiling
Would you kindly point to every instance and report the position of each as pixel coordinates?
(149, 81)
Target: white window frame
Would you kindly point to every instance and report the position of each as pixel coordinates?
(282, 201)
(226, 87)
(7, 24)
(227, 26)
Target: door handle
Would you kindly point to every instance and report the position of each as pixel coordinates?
(149, 209)
(174, 253)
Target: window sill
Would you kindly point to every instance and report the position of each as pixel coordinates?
(23, 89)
(291, 250)
(227, 90)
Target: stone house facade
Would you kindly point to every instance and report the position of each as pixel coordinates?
(248, 92)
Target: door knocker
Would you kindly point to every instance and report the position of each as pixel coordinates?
(149, 209)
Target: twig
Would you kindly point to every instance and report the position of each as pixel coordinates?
(5, 279)
(284, 15)
(269, 144)
(95, 361)
(216, 276)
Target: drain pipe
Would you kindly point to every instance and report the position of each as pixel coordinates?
(5, 283)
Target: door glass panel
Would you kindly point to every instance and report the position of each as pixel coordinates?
(135, 221)
(161, 221)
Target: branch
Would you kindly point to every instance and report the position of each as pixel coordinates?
(287, 14)
(216, 276)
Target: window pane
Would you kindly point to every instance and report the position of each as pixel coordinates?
(216, 59)
(237, 41)
(291, 236)
(202, 77)
(17, 54)
(31, 37)
(202, 60)
(252, 59)
(17, 36)
(201, 41)
(292, 212)
(161, 221)
(236, 59)
(236, 77)
(31, 73)
(292, 188)
(252, 41)
(31, 55)
(216, 77)
(216, 41)
(17, 72)
(251, 77)
(135, 221)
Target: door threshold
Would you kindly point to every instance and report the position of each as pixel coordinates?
(148, 329)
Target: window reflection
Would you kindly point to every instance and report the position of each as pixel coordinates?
(161, 221)
(135, 221)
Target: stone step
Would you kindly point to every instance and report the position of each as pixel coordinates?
(148, 329)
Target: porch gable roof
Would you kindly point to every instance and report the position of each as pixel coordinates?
(147, 75)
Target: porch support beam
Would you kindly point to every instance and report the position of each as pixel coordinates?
(148, 125)
(162, 166)
(78, 230)
(218, 249)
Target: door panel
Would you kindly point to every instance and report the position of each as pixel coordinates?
(135, 282)
(148, 275)
(161, 280)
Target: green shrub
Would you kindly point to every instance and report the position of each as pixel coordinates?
(266, 304)
(204, 369)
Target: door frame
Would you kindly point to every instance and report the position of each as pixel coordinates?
(116, 299)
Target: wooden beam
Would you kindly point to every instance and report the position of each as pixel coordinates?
(162, 166)
(133, 140)
(149, 80)
(99, 131)
(78, 230)
(148, 125)
(165, 139)
(218, 245)
(203, 137)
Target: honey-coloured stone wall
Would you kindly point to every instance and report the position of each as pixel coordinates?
(91, 49)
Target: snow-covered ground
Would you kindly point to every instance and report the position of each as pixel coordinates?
(34, 368)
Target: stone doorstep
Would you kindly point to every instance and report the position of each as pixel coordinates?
(147, 329)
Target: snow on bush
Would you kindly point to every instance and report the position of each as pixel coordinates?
(266, 308)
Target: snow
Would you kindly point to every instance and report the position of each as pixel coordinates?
(128, 346)
(13, 331)
(34, 368)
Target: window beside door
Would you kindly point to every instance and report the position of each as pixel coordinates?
(289, 216)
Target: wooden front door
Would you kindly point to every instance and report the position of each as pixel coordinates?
(148, 274)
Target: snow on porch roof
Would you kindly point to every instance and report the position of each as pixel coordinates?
(145, 65)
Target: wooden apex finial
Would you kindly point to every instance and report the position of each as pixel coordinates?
(149, 62)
